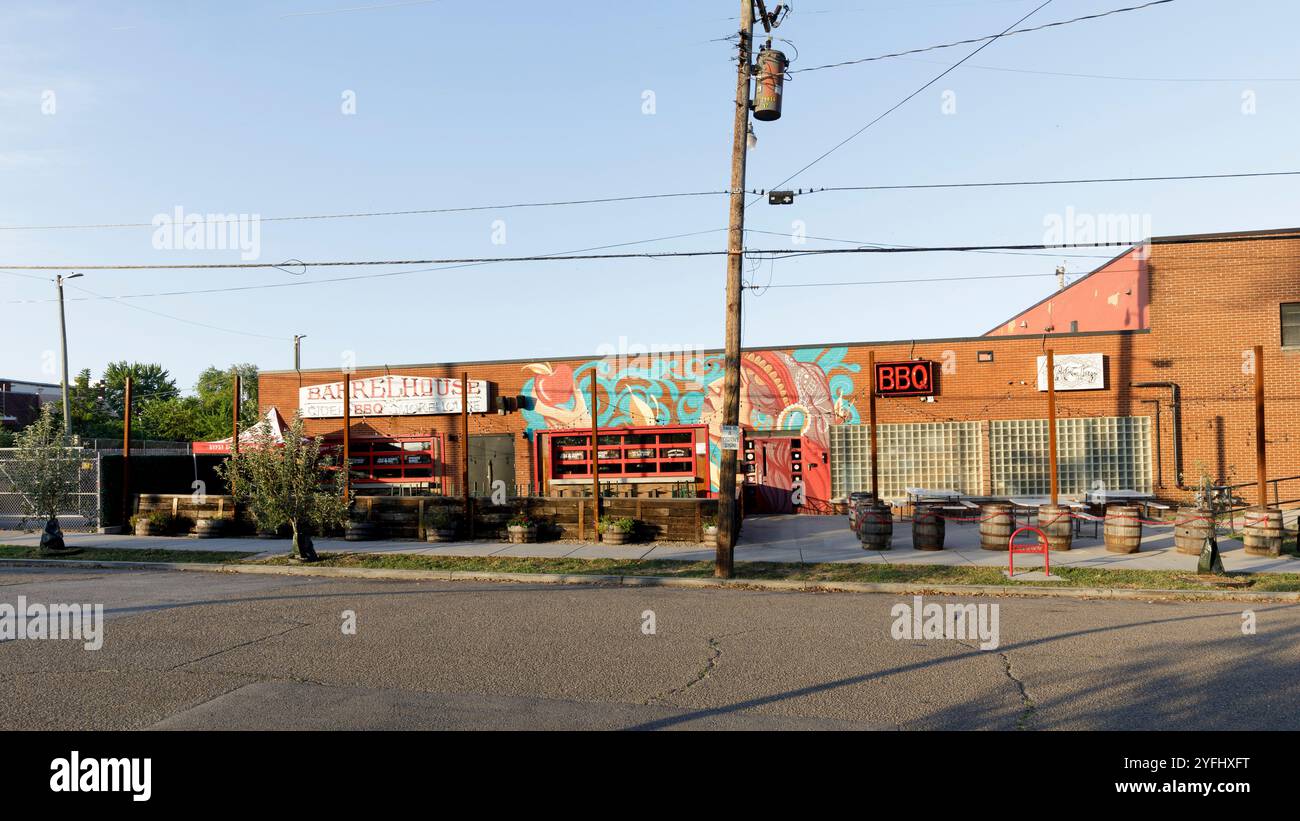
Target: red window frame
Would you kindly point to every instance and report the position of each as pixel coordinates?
(621, 459)
(365, 453)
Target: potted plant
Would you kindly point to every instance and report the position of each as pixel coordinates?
(157, 523)
(616, 530)
(440, 523)
(522, 528)
(710, 528)
(209, 528)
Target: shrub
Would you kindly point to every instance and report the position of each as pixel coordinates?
(441, 517)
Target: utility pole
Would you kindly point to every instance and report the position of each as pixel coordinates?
(63, 346)
(1051, 426)
(735, 267)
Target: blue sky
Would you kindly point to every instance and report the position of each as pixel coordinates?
(238, 108)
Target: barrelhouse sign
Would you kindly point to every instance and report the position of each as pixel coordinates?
(394, 395)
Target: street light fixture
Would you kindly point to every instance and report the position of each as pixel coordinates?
(63, 345)
(297, 351)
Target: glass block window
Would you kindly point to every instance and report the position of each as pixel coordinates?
(1112, 452)
(936, 455)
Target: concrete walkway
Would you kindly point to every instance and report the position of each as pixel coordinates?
(792, 539)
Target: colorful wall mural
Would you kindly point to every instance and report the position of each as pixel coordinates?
(805, 390)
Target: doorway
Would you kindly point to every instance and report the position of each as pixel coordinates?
(491, 458)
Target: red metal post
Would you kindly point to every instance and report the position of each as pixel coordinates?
(126, 458)
(595, 459)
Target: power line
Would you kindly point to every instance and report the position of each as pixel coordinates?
(382, 275)
(1079, 76)
(907, 281)
(986, 39)
(890, 245)
(752, 252)
(413, 212)
(905, 100)
(1016, 183)
(226, 218)
(179, 319)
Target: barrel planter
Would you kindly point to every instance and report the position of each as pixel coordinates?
(1123, 528)
(1057, 525)
(445, 534)
(995, 526)
(209, 528)
(613, 536)
(1192, 526)
(710, 535)
(361, 532)
(1263, 532)
(518, 534)
(927, 528)
(876, 526)
(144, 527)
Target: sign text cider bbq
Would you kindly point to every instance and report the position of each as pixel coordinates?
(393, 395)
(913, 378)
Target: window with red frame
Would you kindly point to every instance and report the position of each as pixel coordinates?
(412, 460)
(631, 453)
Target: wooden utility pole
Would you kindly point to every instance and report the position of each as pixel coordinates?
(234, 423)
(1051, 424)
(464, 453)
(126, 458)
(595, 459)
(1260, 461)
(735, 263)
(347, 435)
(871, 420)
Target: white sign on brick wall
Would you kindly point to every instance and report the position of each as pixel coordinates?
(1074, 371)
(394, 395)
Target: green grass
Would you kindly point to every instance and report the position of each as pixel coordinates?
(917, 574)
(823, 572)
(108, 554)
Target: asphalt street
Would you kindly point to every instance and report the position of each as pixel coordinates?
(214, 651)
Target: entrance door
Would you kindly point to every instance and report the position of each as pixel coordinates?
(491, 457)
(774, 475)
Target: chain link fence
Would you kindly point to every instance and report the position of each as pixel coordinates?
(82, 515)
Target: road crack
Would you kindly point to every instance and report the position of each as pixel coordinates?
(1028, 708)
(710, 665)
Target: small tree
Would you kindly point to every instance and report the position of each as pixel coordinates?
(288, 484)
(45, 474)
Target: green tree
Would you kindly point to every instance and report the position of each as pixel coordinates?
(44, 471)
(289, 484)
(150, 382)
(214, 391)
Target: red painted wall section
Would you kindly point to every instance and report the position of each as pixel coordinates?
(1112, 298)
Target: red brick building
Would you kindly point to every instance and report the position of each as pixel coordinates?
(1154, 386)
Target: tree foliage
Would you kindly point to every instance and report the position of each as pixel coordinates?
(44, 470)
(290, 484)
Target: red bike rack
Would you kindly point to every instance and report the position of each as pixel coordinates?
(1041, 547)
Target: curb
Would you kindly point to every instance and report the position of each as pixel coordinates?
(394, 574)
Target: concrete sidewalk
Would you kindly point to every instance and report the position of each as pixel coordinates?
(789, 539)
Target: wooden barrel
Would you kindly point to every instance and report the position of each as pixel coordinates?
(208, 528)
(1192, 526)
(1057, 524)
(995, 525)
(857, 501)
(1264, 532)
(876, 526)
(1123, 528)
(927, 528)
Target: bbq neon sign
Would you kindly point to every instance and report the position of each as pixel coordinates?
(914, 378)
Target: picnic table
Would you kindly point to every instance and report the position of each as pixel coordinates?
(1146, 501)
(1031, 503)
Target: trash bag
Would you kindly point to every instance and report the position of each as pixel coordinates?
(1211, 561)
(52, 536)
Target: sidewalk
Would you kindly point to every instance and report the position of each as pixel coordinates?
(788, 539)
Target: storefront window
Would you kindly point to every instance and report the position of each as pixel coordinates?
(632, 453)
(393, 461)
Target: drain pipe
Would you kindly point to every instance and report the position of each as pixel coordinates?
(1176, 406)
